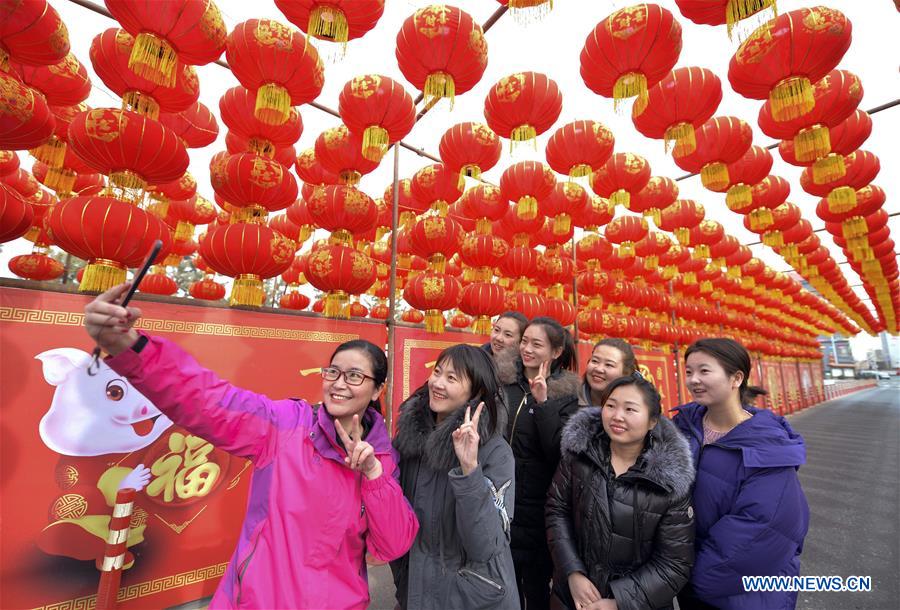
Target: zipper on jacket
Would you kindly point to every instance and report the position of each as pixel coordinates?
(243, 569)
(484, 579)
(516, 418)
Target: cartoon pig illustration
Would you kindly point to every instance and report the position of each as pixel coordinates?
(95, 415)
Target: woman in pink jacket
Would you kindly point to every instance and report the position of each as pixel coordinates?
(324, 489)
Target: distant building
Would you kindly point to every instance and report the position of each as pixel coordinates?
(890, 345)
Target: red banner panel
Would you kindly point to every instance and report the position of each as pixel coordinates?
(68, 440)
(772, 383)
(791, 379)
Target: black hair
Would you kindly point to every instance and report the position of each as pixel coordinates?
(376, 358)
(559, 337)
(519, 318)
(629, 362)
(647, 390)
(731, 356)
(478, 367)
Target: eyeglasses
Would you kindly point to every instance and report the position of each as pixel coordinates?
(331, 373)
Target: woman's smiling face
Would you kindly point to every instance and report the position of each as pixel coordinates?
(448, 389)
(504, 335)
(342, 399)
(606, 364)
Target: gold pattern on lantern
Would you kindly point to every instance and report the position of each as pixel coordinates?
(478, 44)
(431, 20)
(355, 201)
(273, 34)
(757, 46)
(626, 22)
(68, 67)
(509, 88)
(104, 125)
(483, 134)
(16, 100)
(435, 227)
(364, 86)
(362, 266)
(265, 174)
(823, 18)
(211, 23)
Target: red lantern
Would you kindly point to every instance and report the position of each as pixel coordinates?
(157, 282)
(579, 148)
(680, 217)
(845, 138)
(703, 236)
(623, 175)
(595, 214)
(470, 148)
(868, 200)
(483, 300)
(196, 126)
(9, 162)
(65, 83)
(237, 108)
(678, 105)
(525, 183)
(717, 12)
(460, 321)
(530, 305)
(485, 204)
(861, 167)
(333, 20)
(566, 200)
(765, 196)
(379, 109)
(276, 62)
(441, 51)
(593, 249)
(522, 106)
(311, 171)
(342, 210)
(253, 181)
(629, 51)
(25, 119)
(784, 56)
(436, 187)
(110, 234)
(16, 215)
(433, 292)
(659, 193)
(750, 169)
(294, 300)
(341, 152)
(625, 231)
(437, 239)
(413, 316)
(651, 247)
(36, 266)
(720, 141)
(189, 30)
(33, 33)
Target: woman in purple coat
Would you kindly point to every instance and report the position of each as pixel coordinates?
(750, 512)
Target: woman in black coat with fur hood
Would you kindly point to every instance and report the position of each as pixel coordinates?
(541, 394)
(619, 520)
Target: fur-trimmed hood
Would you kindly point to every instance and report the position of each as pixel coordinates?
(419, 436)
(666, 459)
(510, 370)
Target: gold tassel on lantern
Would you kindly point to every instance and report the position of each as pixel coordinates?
(273, 104)
(328, 23)
(439, 85)
(700, 251)
(60, 179)
(714, 176)
(626, 249)
(334, 305)
(525, 11)
(684, 138)
(651, 263)
(247, 290)
(154, 59)
(184, 231)
(733, 273)
(434, 321)
(470, 170)
(482, 325)
(527, 208)
(620, 197)
(350, 177)
(375, 142)
(738, 10)
(739, 197)
(791, 98)
(812, 143)
(854, 227)
(141, 103)
(683, 235)
(483, 226)
(562, 224)
(828, 169)
(761, 219)
(581, 170)
(522, 133)
(841, 199)
(52, 152)
(100, 275)
(631, 84)
(773, 239)
(261, 147)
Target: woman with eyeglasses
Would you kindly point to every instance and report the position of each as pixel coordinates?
(324, 490)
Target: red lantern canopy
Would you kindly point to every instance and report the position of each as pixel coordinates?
(470, 149)
(333, 20)
(717, 12)
(340, 152)
(625, 231)
(525, 183)
(196, 126)
(522, 106)
(237, 108)
(579, 148)
(342, 210)
(678, 105)
(253, 181)
(433, 292)
(783, 57)
(620, 177)
(276, 62)
(845, 138)
(595, 214)
(659, 193)
(566, 200)
(680, 217)
(436, 187)
(630, 51)
(33, 33)
(380, 109)
(25, 119)
(750, 169)
(720, 141)
(441, 51)
(482, 300)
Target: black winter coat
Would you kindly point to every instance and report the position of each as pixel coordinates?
(534, 431)
(632, 535)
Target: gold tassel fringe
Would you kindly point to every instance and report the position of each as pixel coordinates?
(526, 208)
(562, 224)
(714, 176)
(350, 177)
(791, 98)
(154, 59)
(141, 103)
(700, 251)
(829, 168)
(841, 199)
(620, 197)
(683, 235)
(184, 231)
(434, 321)
(738, 10)
(631, 84)
(439, 85)
(100, 275)
(60, 179)
(334, 304)
(812, 143)
(482, 325)
(247, 290)
(683, 137)
(273, 104)
(375, 142)
(262, 147)
(328, 23)
(626, 249)
(773, 239)
(739, 197)
(52, 152)
(761, 219)
(470, 170)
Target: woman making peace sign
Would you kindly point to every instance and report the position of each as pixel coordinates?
(457, 472)
(323, 491)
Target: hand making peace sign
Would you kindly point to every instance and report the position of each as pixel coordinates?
(538, 383)
(466, 439)
(360, 454)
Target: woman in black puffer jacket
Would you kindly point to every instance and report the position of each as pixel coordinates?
(619, 522)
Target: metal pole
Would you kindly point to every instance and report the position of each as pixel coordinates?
(675, 352)
(66, 264)
(391, 322)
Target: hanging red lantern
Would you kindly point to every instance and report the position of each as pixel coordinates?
(595, 214)
(237, 106)
(434, 292)
(32, 33)
(680, 217)
(703, 236)
(333, 20)
(530, 305)
(717, 12)
(460, 321)
(720, 141)
(625, 231)
(470, 149)
(378, 108)
(868, 200)
(836, 96)
(436, 187)
(784, 216)
(311, 171)
(750, 169)
(340, 152)
(37, 266)
(412, 316)
(784, 56)
(861, 167)
(659, 193)
(344, 210)
(294, 300)
(593, 249)
(188, 30)
(196, 126)
(677, 105)
(482, 300)
(25, 119)
(630, 51)
(651, 247)
(253, 181)
(16, 215)
(485, 204)
(436, 238)
(765, 195)
(441, 51)
(525, 183)
(9, 162)
(565, 201)
(845, 138)
(522, 106)
(65, 83)
(110, 234)
(724, 247)
(579, 148)
(276, 62)
(157, 282)
(620, 177)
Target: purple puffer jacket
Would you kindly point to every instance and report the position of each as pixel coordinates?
(310, 520)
